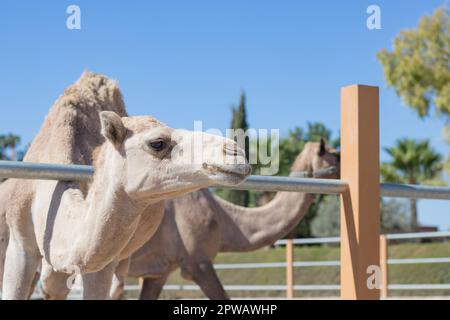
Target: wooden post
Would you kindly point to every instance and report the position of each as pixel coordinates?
(360, 206)
(289, 269)
(384, 256)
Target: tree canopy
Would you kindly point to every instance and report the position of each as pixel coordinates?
(412, 162)
(418, 65)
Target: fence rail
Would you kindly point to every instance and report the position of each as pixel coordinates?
(76, 293)
(326, 263)
(63, 172)
(302, 287)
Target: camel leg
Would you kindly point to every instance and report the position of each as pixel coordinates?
(20, 269)
(118, 283)
(54, 284)
(97, 285)
(33, 284)
(152, 287)
(206, 277)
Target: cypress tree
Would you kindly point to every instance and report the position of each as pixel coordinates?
(238, 121)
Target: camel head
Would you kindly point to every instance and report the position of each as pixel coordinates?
(154, 161)
(317, 157)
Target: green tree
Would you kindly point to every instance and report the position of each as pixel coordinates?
(412, 162)
(316, 131)
(289, 148)
(326, 223)
(394, 216)
(418, 65)
(238, 121)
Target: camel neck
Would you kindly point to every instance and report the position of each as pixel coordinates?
(246, 229)
(108, 219)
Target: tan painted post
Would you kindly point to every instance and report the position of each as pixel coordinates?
(360, 206)
(384, 265)
(289, 269)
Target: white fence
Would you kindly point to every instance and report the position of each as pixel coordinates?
(326, 263)
(304, 264)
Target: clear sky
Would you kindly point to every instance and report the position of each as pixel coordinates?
(188, 60)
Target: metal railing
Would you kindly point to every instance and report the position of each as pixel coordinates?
(63, 172)
(325, 263)
(45, 171)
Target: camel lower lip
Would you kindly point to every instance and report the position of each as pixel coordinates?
(218, 170)
(230, 173)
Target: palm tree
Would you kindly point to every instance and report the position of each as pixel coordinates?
(412, 162)
(9, 141)
(3, 147)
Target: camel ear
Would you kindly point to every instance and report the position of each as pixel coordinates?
(112, 127)
(322, 148)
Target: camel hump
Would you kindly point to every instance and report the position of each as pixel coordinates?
(95, 91)
(71, 130)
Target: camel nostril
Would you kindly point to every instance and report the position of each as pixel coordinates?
(248, 170)
(231, 149)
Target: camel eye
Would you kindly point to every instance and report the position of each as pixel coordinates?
(157, 145)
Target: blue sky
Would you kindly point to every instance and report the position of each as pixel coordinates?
(182, 61)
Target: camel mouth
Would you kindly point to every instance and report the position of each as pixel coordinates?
(228, 174)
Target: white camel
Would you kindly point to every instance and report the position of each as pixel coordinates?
(198, 225)
(88, 227)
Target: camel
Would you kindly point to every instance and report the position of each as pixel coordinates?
(87, 228)
(198, 225)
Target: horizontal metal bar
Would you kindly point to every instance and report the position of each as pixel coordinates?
(306, 287)
(275, 183)
(419, 261)
(392, 236)
(233, 266)
(225, 266)
(417, 235)
(310, 287)
(309, 241)
(45, 171)
(65, 172)
(415, 191)
(323, 263)
(425, 286)
(333, 186)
